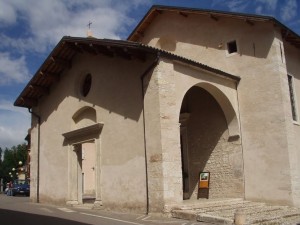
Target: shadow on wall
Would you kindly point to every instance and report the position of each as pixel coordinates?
(115, 89)
(217, 94)
(202, 30)
(205, 130)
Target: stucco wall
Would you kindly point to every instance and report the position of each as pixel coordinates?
(33, 159)
(153, 141)
(204, 40)
(165, 89)
(292, 57)
(116, 95)
(262, 91)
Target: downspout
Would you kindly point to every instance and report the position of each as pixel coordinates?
(151, 67)
(38, 156)
(241, 138)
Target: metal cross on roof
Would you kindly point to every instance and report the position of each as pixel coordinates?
(89, 24)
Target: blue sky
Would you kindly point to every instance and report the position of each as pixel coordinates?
(29, 29)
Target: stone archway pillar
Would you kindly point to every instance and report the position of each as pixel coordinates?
(98, 200)
(72, 178)
(172, 173)
(163, 146)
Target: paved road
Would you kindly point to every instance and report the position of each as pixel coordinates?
(20, 211)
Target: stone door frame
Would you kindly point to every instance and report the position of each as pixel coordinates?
(184, 153)
(78, 137)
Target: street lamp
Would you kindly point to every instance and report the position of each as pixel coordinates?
(20, 163)
(13, 169)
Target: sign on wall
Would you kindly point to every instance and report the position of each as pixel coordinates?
(204, 180)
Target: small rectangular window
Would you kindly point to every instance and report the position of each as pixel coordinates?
(231, 47)
(293, 98)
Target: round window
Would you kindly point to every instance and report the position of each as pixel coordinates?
(86, 85)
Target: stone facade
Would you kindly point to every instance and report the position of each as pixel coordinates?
(263, 60)
(119, 142)
(155, 123)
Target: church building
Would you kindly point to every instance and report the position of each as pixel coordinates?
(191, 96)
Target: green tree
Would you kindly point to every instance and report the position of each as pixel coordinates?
(11, 159)
(1, 175)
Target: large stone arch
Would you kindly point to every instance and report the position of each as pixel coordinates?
(209, 142)
(229, 112)
(163, 100)
(226, 105)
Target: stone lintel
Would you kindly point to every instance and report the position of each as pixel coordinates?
(72, 202)
(91, 130)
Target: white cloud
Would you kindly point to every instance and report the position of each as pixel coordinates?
(48, 21)
(7, 14)
(35, 26)
(232, 5)
(22, 45)
(13, 135)
(12, 69)
(259, 9)
(289, 10)
(6, 105)
(270, 5)
(238, 5)
(14, 124)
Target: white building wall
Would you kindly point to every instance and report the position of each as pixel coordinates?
(116, 95)
(264, 116)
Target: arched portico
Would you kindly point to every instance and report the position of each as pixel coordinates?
(209, 142)
(226, 106)
(168, 128)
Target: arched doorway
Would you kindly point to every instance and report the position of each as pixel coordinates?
(206, 146)
(86, 159)
(84, 166)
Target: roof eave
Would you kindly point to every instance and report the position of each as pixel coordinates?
(284, 28)
(33, 77)
(25, 99)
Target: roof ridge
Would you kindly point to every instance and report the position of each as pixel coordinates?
(48, 72)
(212, 11)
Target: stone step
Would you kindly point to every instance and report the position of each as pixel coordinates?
(258, 216)
(185, 214)
(84, 206)
(209, 203)
(250, 211)
(86, 199)
(222, 212)
(284, 216)
(230, 208)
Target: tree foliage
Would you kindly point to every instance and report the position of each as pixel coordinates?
(11, 159)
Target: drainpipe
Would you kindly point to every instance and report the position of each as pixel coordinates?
(38, 156)
(241, 138)
(151, 67)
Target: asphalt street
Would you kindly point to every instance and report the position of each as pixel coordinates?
(20, 210)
